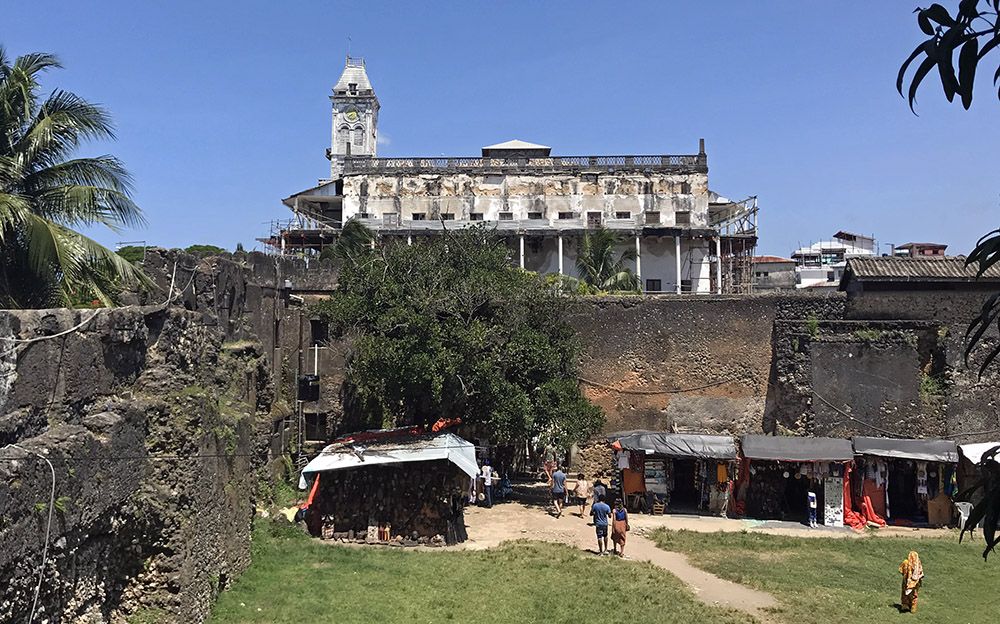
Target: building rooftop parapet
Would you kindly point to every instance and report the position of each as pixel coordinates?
(689, 163)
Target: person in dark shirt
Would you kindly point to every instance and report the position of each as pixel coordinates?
(601, 512)
(599, 489)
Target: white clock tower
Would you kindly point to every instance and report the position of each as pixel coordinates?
(355, 116)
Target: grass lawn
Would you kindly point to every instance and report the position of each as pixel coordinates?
(825, 580)
(294, 578)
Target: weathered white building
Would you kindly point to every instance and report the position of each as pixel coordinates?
(687, 239)
(822, 264)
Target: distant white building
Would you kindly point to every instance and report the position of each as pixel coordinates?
(822, 264)
(686, 238)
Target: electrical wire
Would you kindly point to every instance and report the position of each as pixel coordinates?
(48, 529)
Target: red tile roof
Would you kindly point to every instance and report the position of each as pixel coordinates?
(764, 259)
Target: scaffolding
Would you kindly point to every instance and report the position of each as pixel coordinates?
(736, 223)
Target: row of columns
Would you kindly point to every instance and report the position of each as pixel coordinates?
(638, 261)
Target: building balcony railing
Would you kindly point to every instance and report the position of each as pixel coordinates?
(674, 163)
(393, 223)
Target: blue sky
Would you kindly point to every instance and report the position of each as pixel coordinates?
(221, 108)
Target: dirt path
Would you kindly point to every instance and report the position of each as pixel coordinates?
(530, 520)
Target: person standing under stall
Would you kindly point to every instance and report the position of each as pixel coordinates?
(487, 472)
(558, 490)
(619, 528)
(582, 493)
(812, 508)
(913, 576)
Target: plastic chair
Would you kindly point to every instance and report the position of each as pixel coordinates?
(964, 510)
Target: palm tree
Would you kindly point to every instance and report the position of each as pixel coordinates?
(353, 243)
(45, 193)
(598, 266)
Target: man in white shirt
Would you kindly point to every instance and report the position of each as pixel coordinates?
(487, 473)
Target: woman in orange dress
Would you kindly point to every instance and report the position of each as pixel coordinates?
(913, 575)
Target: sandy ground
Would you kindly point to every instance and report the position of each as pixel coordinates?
(529, 517)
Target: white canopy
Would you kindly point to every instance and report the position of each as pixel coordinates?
(974, 452)
(447, 446)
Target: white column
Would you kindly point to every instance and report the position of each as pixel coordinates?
(409, 239)
(638, 264)
(677, 262)
(718, 265)
(560, 255)
(521, 242)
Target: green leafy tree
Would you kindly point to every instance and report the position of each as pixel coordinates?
(133, 253)
(45, 192)
(971, 31)
(204, 251)
(448, 327)
(600, 267)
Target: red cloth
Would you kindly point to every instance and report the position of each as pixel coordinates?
(444, 423)
(312, 493)
(851, 518)
(873, 502)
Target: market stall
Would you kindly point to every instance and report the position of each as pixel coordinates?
(906, 481)
(390, 487)
(780, 471)
(683, 472)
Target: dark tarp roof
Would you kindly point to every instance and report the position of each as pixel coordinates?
(925, 450)
(794, 448)
(678, 444)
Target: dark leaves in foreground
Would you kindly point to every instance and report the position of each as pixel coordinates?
(971, 33)
(987, 510)
(984, 256)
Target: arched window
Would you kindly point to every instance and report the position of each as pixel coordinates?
(344, 136)
(359, 137)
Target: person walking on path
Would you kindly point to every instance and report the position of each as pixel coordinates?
(487, 472)
(601, 513)
(913, 576)
(619, 528)
(582, 493)
(558, 490)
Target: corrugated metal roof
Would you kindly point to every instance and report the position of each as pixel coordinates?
(938, 269)
(765, 259)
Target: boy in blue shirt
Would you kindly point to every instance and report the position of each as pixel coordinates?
(601, 512)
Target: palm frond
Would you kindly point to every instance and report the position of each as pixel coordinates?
(44, 192)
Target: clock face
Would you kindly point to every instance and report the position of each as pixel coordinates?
(351, 115)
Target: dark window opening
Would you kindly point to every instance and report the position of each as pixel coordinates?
(419, 216)
(475, 216)
(506, 216)
(447, 216)
(830, 276)
(652, 218)
(566, 215)
(390, 218)
(685, 188)
(654, 285)
(593, 219)
(319, 331)
(315, 427)
(623, 215)
(535, 215)
(683, 217)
